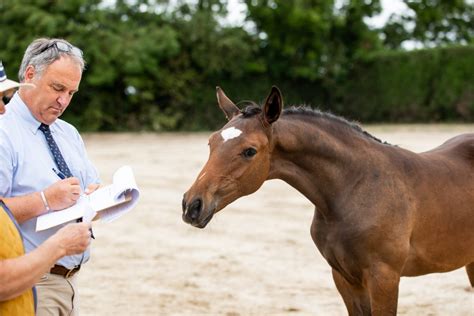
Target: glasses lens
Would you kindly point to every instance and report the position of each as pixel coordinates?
(63, 47)
(5, 99)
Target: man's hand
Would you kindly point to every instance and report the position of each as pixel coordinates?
(73, 238)
(91, 188)
(63, 193)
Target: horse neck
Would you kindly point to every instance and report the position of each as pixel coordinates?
(318, 158)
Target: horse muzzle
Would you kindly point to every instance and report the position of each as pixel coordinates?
(194, 214)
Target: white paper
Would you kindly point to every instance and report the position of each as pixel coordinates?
(107, 203)
(52, 218)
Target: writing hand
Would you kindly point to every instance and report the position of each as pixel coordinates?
(63, 193)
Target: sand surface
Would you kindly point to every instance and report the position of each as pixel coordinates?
(256, 257)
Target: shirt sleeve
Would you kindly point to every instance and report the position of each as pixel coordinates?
(7, 167)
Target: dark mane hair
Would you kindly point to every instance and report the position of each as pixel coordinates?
(253, 109)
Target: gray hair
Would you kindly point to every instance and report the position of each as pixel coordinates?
(42, 52)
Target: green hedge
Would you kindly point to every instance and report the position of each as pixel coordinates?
(433, 85)
(430, 85)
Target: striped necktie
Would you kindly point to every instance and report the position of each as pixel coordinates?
(58, 157)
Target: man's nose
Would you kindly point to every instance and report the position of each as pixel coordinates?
(64, 99)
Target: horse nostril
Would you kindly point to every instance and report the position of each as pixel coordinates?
(194, 209)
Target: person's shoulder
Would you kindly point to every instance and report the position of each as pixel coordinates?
(67, 128)
(9, 130)
(7, 121)
(8, 115)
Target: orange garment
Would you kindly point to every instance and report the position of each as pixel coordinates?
(11, 246)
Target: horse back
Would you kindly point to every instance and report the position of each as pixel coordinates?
(459, 147)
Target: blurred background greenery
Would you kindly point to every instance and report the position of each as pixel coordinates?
(154, 64)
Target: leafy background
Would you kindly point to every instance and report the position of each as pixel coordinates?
(154, 65)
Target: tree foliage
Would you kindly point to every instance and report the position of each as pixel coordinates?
(154, 64)
(310, 39)
(432, 23)
(144, 59)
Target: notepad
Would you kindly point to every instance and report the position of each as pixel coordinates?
(106, 203)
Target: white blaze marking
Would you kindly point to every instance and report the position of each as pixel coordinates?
(230, 133)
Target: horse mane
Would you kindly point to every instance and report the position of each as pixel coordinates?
(253, 109)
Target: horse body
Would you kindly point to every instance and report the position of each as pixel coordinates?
(423, 199)
(443, 235)
(381, 211)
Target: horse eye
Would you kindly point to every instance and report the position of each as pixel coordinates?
(249, 152)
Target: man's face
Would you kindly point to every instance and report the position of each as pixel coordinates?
(54, 89)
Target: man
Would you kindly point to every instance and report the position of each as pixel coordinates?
(19, 272)
(36, 147)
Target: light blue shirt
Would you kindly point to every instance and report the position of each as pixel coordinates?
(26, 165)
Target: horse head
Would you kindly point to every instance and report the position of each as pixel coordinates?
(239, 159)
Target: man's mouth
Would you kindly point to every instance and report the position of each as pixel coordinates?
(56, 110)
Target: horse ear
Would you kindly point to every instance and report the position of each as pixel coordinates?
(273, 106)
(226, 105)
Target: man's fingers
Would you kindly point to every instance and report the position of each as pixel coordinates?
(91, 188)
(72, 180)
(76, 190)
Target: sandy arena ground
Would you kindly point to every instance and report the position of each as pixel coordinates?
(256, 257)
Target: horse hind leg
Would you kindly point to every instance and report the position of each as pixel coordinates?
(470, 273)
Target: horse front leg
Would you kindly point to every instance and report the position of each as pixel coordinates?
(382, 284)
(355, 297)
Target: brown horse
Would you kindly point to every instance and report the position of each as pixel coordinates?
(381, 211)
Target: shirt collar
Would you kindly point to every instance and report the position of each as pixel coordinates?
(17, 105)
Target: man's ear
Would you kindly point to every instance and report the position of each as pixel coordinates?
(226, 105)
(30, 73)
(273, 106)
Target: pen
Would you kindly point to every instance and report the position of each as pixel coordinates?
(62, 177)
(60, 174)
(79, 220)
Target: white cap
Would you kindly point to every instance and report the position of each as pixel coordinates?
(7, 84)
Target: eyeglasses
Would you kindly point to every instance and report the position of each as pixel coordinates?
(5, 99)
(62, 47)
(6, 96)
